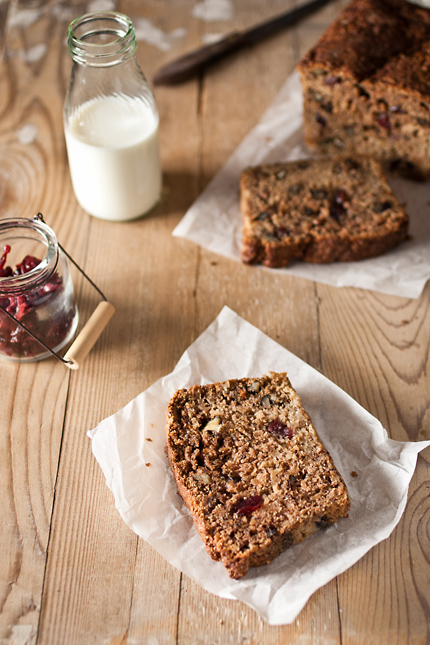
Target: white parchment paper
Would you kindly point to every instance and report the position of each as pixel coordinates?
(214, 220)
(129, 447)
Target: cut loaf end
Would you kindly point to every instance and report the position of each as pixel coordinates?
(366, 85)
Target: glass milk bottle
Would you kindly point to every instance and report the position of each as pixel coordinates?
(110, 120)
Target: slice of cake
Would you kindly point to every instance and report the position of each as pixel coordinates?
(251, 469)
(326, 209)
(366, 85)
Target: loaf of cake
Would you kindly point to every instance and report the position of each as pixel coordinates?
(366, 85)
(325, 209)
(251, 469)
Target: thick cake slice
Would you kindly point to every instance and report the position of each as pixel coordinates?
(251, 469)
(320, 210)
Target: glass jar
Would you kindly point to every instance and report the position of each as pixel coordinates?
(110, 120)
(36, 289)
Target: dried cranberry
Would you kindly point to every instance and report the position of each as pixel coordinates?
(281, 232)
(384, 121)
(332, 80)
(5, 272)
(6, 251)
(320, 120)
(280, 429)
(336, 211)
(341, 196)
(337, 206)
(397, 109)
(28, 264)
(24, 307)
(248, 505)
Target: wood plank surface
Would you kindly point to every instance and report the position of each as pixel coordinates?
(71, 571)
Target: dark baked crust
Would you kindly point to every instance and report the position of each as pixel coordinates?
(318, 210)
(366, 85)
(251, 469)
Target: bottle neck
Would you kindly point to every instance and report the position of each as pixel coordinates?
(101, 39)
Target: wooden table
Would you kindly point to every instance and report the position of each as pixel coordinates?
(71, 570)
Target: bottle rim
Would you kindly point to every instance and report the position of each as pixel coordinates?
(101, 38)
(14, 228)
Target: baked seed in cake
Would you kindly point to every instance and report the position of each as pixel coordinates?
(366, 85)
(251, 469)
(325, 209)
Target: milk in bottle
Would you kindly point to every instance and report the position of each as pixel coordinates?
(110, 120)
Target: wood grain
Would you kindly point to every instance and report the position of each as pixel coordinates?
(71, 570)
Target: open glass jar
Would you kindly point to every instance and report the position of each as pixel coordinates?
(36, 291)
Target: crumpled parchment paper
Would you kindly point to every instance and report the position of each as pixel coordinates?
(214, 221)
(129, 447)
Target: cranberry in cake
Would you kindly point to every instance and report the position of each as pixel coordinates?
(251, 469)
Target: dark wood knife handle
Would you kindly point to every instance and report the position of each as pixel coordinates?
(195, 62)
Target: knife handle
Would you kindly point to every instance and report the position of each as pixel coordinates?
(195, 62)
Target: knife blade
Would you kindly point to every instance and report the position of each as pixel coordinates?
(185, 67)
